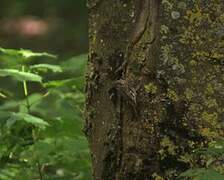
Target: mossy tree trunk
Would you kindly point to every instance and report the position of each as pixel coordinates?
(154, 86)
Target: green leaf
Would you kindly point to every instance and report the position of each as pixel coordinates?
(4, 114)
(2, 95)
(26, 54)
(36, 121)
(75, 64)
(9, 105)
(40, 150)
(59, 83)
(211, 175)
(54, 68)
(79, 81)
(216, 147)
(20, 76)
(202, 174)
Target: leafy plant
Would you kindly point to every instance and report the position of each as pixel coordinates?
(41, 104)
(202, 174)
(213, 156)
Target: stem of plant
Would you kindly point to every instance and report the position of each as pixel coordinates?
(25, 89)
(39, 170)
(28, 106)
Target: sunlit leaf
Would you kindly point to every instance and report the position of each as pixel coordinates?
(20, 75)
(25, 53)
(54, 68)
(2, 95)
(30, 119)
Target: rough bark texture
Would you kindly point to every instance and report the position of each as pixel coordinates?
(148, 105)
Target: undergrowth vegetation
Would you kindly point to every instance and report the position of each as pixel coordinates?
(212, 160)
(41, 109)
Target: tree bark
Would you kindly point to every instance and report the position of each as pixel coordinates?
(148, 105)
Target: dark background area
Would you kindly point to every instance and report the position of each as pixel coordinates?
(56, 26)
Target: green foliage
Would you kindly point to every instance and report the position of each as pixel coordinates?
(202, 174)
(25, 54)
(213, 157)
(46, 67)
(41, 106)
(19, 75)
(36, 121)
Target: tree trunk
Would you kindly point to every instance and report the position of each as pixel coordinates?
(154, 86)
